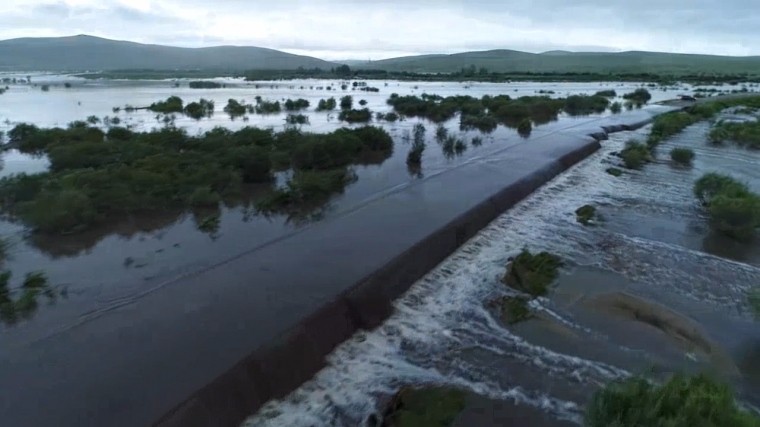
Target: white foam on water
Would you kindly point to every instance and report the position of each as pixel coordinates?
(444, 317)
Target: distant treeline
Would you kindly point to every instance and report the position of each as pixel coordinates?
(465, 74)
(471, 74)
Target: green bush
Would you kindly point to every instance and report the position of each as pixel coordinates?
(515, 310)
(576, 105)
(733, 209)
(680, 402)
(65, 211)
(93, 180)
(267, 107)
(638, 96)
(533, 274)
(200, 109)
(744, 134)
(667, 125)
(682, 156)
(635, 155)
(616, 107)
(235, 108)
(297, 119)
(326, 104)
(355, 116)
(296, 105)
(346, 102)
(482, 122)
(173, 104)
(305, 190)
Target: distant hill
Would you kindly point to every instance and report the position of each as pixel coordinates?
(80, 53)
(572, 62)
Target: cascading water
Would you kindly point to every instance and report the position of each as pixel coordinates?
(653, 240)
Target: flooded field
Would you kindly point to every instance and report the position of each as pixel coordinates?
(653, 243)
(117, 262)
(652, 252)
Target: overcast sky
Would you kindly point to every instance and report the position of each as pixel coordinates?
(369, 29)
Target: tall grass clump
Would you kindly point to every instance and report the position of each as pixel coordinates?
(682, 401)
(734, 210)
(682, 156)
(635, 155)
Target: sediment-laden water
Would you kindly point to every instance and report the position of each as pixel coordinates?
(653, 243)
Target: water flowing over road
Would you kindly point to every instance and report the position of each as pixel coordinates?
(653, 242)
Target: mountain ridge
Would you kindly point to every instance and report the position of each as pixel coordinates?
(84, 52)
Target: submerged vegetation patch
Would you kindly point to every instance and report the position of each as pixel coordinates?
(635, 155)
(487, 112)
(355, 116)
(21, 303)
(682, 401)
(585, 214)
(734, 210)
(424, 407)
(682, 156)
(638, 96)
(743, 134)
(614, 172)
(515, 309)
(533, 273)
(95, 178)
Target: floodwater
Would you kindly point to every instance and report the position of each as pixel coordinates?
(113, 263)
(653, 243)
(654, 240)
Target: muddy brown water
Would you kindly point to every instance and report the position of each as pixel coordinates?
(647, 290)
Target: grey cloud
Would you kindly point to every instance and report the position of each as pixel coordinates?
(355, 27)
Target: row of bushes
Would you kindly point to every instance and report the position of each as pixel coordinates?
(96, 176)
(485, 113)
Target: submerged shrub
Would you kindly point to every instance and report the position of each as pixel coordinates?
(173, 104)
(296, 105)
(638, 96)
(682, 156)
(297, 119)
(525, 127)
(200, 109)
(235, 108)
(533, 274)
(425, 407)
(614, 172)
(346, 102)
(326, 104)
(680, 402)
(609, 93)
(733, 209)
(515, 310)
(585, 214)
(744, 134)
(635, 155)
(616, 107)
(355, 116)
